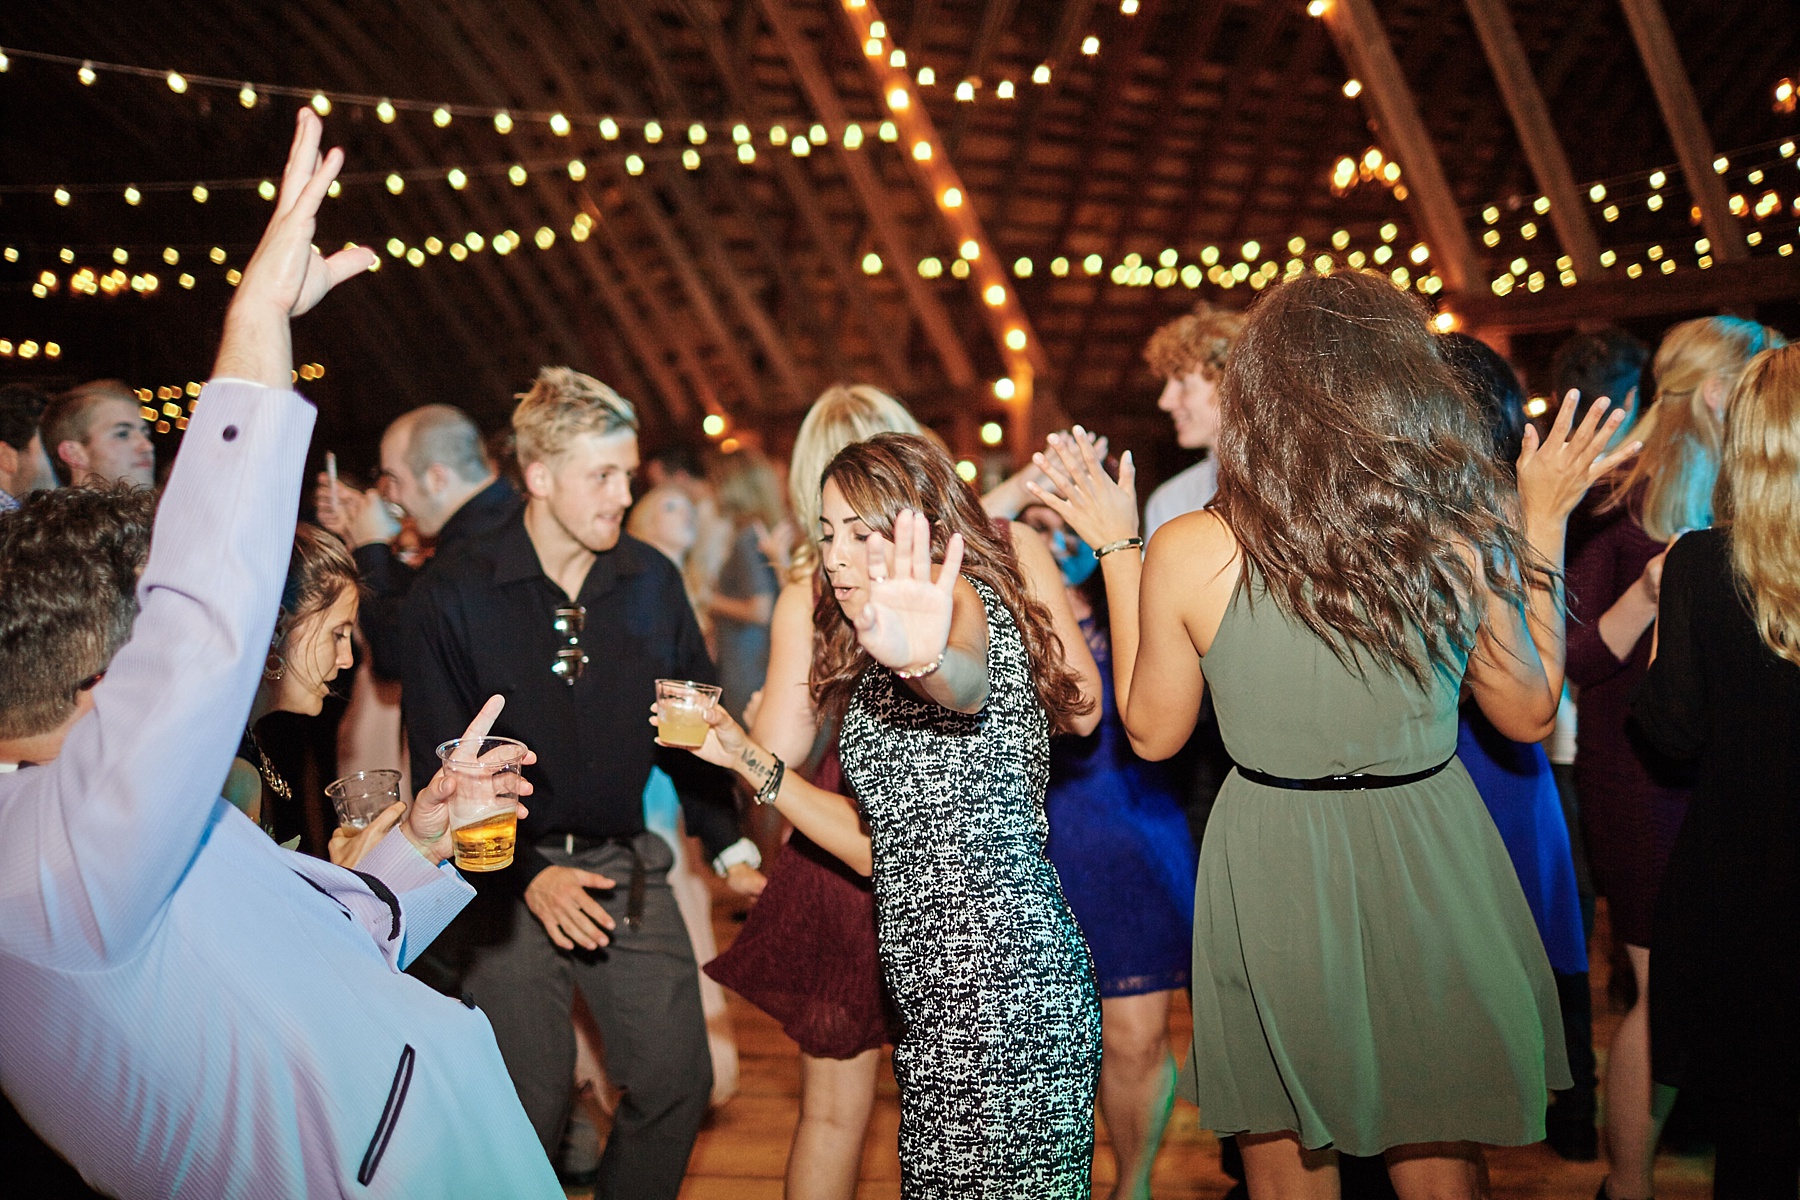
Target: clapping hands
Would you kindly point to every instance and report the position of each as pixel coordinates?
(1099, 510)
(906, 623)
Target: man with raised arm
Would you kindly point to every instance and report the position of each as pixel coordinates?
(190, 1010)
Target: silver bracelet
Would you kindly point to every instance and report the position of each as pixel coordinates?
(1107, 549)
(922, 672)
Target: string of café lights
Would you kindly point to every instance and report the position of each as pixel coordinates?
(1132, 270)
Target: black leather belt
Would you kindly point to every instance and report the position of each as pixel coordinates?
(575, 843)
(1360, 782)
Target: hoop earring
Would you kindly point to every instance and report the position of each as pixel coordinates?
(274, 667)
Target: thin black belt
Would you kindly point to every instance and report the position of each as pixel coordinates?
(575, 843)
(1360, 782)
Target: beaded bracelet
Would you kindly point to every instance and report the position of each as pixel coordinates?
(922, 672)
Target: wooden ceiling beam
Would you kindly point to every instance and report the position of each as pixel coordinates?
(548, 52)
(1726, 285)
(1241, 81)
(1363, 43)
(933, 317)
(1038, 100)
(1109, 100)
(650, 295)
(644, 343)
(1537, 136)
(994, 16)
(750, 310)
(1687, 130)
(838, 255)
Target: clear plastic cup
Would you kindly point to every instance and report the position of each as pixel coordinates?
(681, 709)
(484, 819)
(362, 796)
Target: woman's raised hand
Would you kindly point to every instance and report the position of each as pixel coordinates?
(906, 623)
(1086, 497)
(1556, 474)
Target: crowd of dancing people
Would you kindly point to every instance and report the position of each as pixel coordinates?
(1333, 743)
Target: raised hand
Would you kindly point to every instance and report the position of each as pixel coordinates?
(1086, 497)
(287, 271)
(906, 623)
(287, 275)
(1556, 474)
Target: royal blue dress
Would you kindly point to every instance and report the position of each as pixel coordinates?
(1120, 843)
(1520, 793)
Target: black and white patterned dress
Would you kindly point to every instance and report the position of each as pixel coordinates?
(1000, 1052)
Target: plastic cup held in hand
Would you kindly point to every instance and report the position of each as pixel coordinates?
(362, 796)
(681, 709)
(484, 819)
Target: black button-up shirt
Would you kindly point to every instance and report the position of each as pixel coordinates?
(388, 580)
(479, 622)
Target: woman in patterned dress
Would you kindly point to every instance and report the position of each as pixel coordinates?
(949, 688)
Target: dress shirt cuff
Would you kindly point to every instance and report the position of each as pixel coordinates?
(429, 896)
(398, 863)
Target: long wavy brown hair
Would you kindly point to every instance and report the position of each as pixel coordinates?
(894, 471)
(1356, 474)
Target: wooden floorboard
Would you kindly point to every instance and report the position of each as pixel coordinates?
(742, 1152)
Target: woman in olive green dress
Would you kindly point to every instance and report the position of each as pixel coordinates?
(1367, 977)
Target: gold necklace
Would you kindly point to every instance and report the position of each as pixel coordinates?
(276, 783)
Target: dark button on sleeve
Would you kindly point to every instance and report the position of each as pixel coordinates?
(230, 433)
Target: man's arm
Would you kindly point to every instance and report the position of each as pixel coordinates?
(93, 845)
(388, 580)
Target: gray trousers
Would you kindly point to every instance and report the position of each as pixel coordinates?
(643, 990)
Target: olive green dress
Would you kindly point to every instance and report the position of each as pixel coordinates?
(1366, 970)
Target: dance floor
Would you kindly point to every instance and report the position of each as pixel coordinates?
(742, 1153)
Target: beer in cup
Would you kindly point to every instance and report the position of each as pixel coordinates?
(484, 818)
(681, 708)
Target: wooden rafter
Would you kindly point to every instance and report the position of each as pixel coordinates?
(884, 219)
(650, 207)
(704, 227)
(1363, 43)
(1537, 136)
(1681, 113)
(1726, 285)
(1110, 98)
(1038, 100)
(994, 17)
(857, 290)
(650, 296)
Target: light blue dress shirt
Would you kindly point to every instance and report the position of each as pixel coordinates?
(186, 1009)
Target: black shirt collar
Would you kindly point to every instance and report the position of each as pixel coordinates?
(480, 512)
(516, 560)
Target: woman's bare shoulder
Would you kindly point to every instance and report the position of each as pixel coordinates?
(1199, 541)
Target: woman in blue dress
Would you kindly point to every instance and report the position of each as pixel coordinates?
(1120, 843)
(1519, 790)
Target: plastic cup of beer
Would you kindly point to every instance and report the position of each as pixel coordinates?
(484, 817)
(681, 708)
(362, 796)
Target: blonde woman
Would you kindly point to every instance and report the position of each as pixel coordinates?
(1723, 692)
(1632, 802)
(807, 953)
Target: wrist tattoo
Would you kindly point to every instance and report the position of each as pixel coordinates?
(758, 767)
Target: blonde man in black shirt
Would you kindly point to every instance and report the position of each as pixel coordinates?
(573, 621)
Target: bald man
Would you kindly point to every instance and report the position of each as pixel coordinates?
(435, 469)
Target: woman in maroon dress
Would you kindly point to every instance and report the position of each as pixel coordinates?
(1632, 800)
